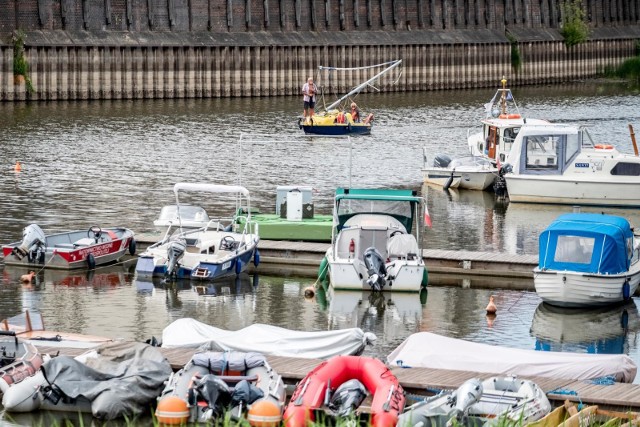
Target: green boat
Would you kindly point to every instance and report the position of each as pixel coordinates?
(294, 218)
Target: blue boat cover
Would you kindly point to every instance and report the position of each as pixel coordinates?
(588, 243)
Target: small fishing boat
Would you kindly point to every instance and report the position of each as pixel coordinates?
(267, 339)
(372, 245)
(494, 401)
(561, 163)
(500, 126)
(334, 120)
(214, 382)
(320, 392)
(115, 380)
(587, 260)
(206, 253)
(429, 350)
(470, 173)
(70, 250)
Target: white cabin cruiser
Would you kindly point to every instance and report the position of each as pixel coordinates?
(372, 247)
(559, 163)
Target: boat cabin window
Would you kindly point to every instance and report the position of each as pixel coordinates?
(626, 169)
(574, 249)
(349, 206)
(542, 152)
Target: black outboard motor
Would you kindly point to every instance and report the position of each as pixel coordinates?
(175, 252)
(376, 269)
(500, 186)
(347, 398)
(33, 238)
(441, 160)
(215, 392)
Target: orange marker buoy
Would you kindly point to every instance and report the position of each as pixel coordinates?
(27, 278)
(18, 166)
(491, 307)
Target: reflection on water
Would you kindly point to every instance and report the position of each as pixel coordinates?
(600, 330)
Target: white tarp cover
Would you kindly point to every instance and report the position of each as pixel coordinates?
(428, 350)
(267, 339)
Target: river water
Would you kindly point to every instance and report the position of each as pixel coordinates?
(113, 163)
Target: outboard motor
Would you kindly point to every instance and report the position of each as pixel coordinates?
(376, 269)
(500, 186)
(32, 238)
(215, 392)
(467, 395)
(441, 160)
(175, 252)
(347, 398)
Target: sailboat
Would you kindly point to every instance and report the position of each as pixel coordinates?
(334, 121)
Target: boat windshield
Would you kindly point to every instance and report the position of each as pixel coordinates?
(187, 212)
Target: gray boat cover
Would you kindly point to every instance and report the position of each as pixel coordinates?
(228, 360)
(124, 379)
(428, 350)
(267, 339)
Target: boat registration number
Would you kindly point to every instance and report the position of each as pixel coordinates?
(582, 165)
(226, 265)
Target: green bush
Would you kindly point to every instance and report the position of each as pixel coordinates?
(516, 58)
(630, 69)
(574, 28)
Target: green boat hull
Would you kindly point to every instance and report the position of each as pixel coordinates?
(274, 227)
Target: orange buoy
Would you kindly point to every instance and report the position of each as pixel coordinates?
(603, 146)
(309, 292)
(27, 278)
(172, 410)
(264, 414)
(491, 307)
(18, 166)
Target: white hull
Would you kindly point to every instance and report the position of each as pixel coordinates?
(567, 190)
(570, 289)
(439, 176)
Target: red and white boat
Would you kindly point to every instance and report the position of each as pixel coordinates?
(70, 250)
(313, 395)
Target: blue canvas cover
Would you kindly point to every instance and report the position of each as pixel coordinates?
(588, 243)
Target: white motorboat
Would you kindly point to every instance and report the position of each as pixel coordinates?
(372, 247)
(209, 252)
(471, 173)
(587, 260)
(500, 127)
(559, 163)
(494, 401)
(429, 350)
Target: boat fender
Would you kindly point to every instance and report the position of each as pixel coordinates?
(132, 246)
(91, 261)
(322, 271)
(425, 278)
(626, 290)
(238, 266)
(256, 258)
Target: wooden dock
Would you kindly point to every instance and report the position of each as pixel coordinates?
(425, 381)
(303, 259)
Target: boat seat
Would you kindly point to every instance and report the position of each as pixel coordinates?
(85, 241)
(64, 246)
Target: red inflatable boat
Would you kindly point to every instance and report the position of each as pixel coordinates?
(311, 393)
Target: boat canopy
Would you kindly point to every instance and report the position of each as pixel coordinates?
(588, 243)
(400, 204)
(210, 188)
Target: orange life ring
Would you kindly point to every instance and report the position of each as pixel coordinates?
(603, 146)
(388, 395)
(509, 116)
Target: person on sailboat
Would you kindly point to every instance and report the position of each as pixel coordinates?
(355, 113)
(309, 90)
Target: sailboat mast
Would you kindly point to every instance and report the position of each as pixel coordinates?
(361, 86)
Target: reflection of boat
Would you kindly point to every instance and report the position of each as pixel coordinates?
(587, 260)
(333, 121)
(29, 327)
(601, 330)
(312, 393)
(243, 384)
(267, 339)
(470, 173)
(428, 350)
(205, 253)
(559, 163)
(499, 128)
(73, 249)
(499, 399)
(372, 246)
(294, 218)
(238, 285)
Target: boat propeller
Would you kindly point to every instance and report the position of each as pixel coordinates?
(376, 269)
(175, 252)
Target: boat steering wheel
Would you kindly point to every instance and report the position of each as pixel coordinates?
(227, 243)
(396, 232)
(94, 232)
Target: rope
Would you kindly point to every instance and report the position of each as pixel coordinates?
(315, 284)
(567, 392)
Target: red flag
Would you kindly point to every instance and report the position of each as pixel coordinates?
(427, 217)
